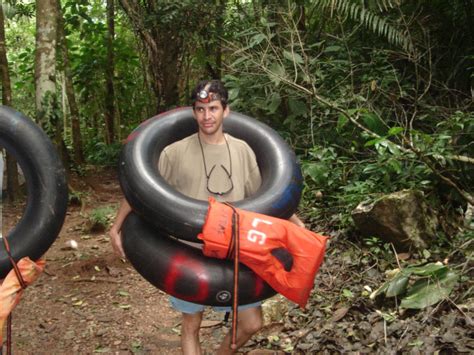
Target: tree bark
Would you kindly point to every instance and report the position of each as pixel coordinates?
(47, 105)
(71, 97)
(109, 75)
(13, 186)
(45, 62)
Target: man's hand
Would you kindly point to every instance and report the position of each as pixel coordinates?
(115, 232)
(116, 241)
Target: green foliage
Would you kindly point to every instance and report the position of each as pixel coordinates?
(100, 153)
(100, 218)
(420, 286)
(20, 38)
(361, 124)
(374, 23)
(86, 28)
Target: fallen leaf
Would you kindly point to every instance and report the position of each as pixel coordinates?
(404, 256)
(339, 314)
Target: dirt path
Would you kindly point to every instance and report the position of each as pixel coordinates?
(89, 301)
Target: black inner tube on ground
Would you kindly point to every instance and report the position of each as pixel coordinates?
(183, 271)
(46, 187)
(181, 216)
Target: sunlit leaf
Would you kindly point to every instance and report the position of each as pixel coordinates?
(427, 292)
(374, 141)
(332, 49)
(293, 57)
(274, 103)
(395, 165)
(233, 93)
(278, 72)
(397, 285)
(347, 293)
(341, 121)
(317, 171)
(428, 269)
(394, 131)
(257, 39)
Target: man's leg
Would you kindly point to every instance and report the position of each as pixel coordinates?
(249, 321)
(191, 322)
(190, 333)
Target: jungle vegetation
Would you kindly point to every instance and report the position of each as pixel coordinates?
(374, 96)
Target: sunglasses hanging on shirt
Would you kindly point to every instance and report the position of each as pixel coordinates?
(208, 176)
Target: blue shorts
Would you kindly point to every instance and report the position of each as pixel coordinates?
(192, 308)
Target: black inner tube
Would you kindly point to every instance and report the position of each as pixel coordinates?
(181, 216)
(46, 187)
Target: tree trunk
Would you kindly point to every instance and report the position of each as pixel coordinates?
(45, 63)
(13, 186)
(47, 105)
(109, 76)
(71, 97)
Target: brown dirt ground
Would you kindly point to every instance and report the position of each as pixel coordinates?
(90, 301)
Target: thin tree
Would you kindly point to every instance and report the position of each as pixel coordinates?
(71, 97)
(13, 186)
(109, 75)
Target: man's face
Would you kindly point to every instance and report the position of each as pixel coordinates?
(210, 116)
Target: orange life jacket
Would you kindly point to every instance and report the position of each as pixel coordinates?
(286, 256)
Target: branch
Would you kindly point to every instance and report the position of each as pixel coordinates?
(133, 13)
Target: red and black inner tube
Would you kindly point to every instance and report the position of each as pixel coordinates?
(183, 271)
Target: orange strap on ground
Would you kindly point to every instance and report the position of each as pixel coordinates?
(24, 272)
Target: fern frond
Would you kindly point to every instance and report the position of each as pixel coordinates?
(369, 19)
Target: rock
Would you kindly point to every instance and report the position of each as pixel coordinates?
(71, 244)
(402, 218)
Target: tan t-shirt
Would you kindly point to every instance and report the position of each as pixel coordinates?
(181, 165)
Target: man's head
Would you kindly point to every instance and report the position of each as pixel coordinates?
(210, 90)
(210, 108)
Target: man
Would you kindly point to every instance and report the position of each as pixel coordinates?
(208, 163)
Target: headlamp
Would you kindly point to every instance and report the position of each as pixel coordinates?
(205, 96)
(202, 95)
